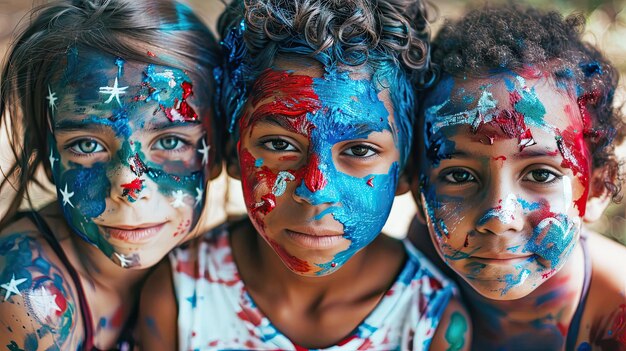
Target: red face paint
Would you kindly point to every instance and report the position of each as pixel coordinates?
(181, 110)
(313, 177)
(573, 148)
(293, 262)
(133, 188)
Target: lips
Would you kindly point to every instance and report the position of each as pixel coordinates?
(502, 258)
(134, 234)
(315, 238)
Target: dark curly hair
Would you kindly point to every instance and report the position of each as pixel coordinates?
(513, 38)
(128, 28)
(389, 36)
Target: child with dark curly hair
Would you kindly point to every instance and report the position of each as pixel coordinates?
(319, 98)
(517, 153)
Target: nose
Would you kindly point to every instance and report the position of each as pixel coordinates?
(504, 214)
(127, 184)
(315, 188)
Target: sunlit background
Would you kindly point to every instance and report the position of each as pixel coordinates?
(606, 28)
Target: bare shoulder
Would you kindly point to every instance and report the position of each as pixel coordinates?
(454, 330)
(158, 311)
(604, 322)
(38, 305)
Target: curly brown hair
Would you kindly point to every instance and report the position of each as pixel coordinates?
(389, 36)
(512, 38)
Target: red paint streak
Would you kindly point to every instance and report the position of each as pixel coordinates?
(286, 97)
(583, 101)
(500, 158)
(313, 177)
(183, 109)
(576, 157)
(510, 122)
(288, 158)
(255, 178)
(182, 227)
(370, 182)
(292, 262)
(466, 243)
(347, 339)
(548, 274)
(118, 318)
(610, 333)
(133, 188)
(151, 54)
(300, 348)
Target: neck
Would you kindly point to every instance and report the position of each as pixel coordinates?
(548, 309)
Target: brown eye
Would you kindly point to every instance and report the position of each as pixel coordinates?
(360, 151)
(541, 176)
(278, 145)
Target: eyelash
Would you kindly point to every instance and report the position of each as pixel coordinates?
(183, 148)
(445, 175)
(263, 143)
(556, 176)
(74, 143)
(369, 148)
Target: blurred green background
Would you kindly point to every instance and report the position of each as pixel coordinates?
(606, 28)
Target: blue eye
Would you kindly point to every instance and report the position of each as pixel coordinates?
(169, 143)
(458, 176)
(360, 151)
(541, 176)
(278, 145)
(86, 146)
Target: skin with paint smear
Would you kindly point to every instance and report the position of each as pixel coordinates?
(505, 187)
(129, 156)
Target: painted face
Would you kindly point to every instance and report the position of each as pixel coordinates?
(319, 161)
(505, 180)
(128, 153)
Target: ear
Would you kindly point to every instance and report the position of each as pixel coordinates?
(599, 197)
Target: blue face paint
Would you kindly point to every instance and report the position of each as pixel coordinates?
(328, 111)
(122, 130)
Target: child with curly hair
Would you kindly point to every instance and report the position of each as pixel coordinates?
(113, 99)
(320, 99)
(517, 153)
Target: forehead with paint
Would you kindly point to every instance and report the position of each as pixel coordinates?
(504, 155)
(328, 139)
(127, 137)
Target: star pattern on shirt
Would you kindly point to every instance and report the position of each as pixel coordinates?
(51, 99)
(11, 287)
(44, 302)
(179, 198)
(199, 194)
(67, 196)
(115, 91)
(205, 152)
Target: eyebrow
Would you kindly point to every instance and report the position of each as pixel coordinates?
(283, 122)
(69, 126)
(536, 153)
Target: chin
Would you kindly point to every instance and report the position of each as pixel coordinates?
(498, 291)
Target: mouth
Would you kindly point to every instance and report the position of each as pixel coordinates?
(134, 234)
(503, 259)
(317, 239)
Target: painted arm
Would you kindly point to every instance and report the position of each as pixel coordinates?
(38, 309)
(454, 332)
(158, 312)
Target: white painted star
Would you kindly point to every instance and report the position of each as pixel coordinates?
(199, 192)
(11, 287)
(43, 302)
(52, 159)
(123, 260)
(115, 92)
(51, 99)
(67, 196)
(179, 196)
(205, 152)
